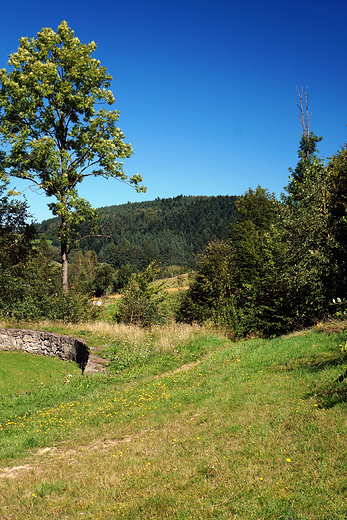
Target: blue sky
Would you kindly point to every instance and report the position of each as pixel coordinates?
(206, 89)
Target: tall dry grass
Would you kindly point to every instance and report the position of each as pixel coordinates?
(163, 338)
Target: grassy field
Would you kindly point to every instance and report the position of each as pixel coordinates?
(198, 427)
(22, 372)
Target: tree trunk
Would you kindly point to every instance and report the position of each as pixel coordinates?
(63, 249)
(64, 268)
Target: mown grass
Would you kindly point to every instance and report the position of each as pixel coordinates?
(236, 434)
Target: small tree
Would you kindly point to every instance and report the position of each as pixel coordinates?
(212, 285)
(82, 271)
(103, 277)
(140, 303)
(257, 210)
(56, 137)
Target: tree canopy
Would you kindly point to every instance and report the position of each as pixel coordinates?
(55, 135)
(172, 231)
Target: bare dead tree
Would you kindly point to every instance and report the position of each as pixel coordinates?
(304, 115)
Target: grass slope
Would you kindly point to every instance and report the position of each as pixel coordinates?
(22, 372)
(232, 435)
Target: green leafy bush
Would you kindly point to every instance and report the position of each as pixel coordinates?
(141, 300)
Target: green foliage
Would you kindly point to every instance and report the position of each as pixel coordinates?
(251, 234)
(235, 281)
(16, 234)
(306, 153)
(313, 273)
(121, 277)
(103, 278)
(212, 284)
(24, 296)
(55, 136)
(141, 300)
(172, 270)
(82, 272)
(172, 231)
(284, 263)
(337, 171)
(31, 290)
(17, 253)
(70, 308)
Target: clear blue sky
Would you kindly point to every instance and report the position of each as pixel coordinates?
(206, 89)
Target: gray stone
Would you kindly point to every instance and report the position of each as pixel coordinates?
(46, 344)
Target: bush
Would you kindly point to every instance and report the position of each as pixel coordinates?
(141, 300)
(72, 307)
(33, 291)
(121, 277)
(103, 277)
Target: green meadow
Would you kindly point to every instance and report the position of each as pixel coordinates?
(200, 427)
(22, 372)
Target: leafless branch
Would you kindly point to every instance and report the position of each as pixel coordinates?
(304, 116)
(92, 235)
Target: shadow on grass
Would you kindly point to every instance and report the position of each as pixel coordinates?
(316, 363)
(332, 392)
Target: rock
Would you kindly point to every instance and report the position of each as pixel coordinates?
(46, 344)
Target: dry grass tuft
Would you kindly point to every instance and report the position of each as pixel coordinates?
(332, 326)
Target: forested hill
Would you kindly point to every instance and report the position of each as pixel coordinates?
(172, 231)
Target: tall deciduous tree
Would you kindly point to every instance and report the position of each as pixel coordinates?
(55, 135)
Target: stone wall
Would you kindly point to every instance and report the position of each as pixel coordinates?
(45, 344)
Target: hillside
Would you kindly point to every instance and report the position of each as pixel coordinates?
(199, 427)
(172, 231)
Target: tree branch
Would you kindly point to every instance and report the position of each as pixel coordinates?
(303, 116)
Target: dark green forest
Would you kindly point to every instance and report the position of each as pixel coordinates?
(170, 231)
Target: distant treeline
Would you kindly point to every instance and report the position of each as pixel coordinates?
(172, 231)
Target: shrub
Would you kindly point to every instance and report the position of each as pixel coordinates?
(141, 300)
